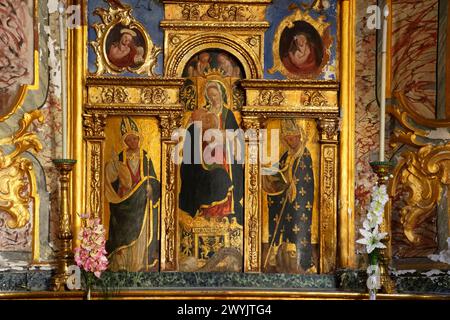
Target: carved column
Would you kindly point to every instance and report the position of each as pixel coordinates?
(252, 197)
(94, 135)
(328, 129)
(169, 196)
(65, 254)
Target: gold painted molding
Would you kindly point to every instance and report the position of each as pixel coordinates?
(403, 103)
(76, 73)
(252, 196)
(328, 129)
(301, 98)
(216, 295)
(346, 238)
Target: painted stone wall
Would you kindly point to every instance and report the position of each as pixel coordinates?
(414, 71)
(367, 114)
(16, 244)
(414, 47)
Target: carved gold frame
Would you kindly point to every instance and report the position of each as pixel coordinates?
(86, 142)
(121, 16)
(294, 99)
(288, 22)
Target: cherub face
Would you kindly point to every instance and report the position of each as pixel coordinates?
(222, 58)
(301, 41)
(126, 39)
(204, 57)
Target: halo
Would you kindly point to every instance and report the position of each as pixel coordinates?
(129, 31)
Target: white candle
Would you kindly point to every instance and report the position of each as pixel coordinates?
(62, 35)
(383, 84)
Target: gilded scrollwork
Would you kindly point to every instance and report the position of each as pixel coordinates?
(329, 128)
(270, 98)
(114, 95)
(190, 11)
(154, 95)
(419, 178)
(119, 16)
(328, 207)
(252, 196)
(216, 12)
(94, 125)
(422, 174)
(168, 124)
(314, 98)
(17, 177)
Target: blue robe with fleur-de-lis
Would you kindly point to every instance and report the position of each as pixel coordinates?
(296, 218)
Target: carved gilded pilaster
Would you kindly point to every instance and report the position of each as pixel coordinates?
(328, 128)
(169, 178)
(94, 125)
(252, 196)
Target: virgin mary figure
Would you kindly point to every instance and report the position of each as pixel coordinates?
(211, 190)
(133, 192)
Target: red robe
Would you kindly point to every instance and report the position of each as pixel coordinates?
(126, 61)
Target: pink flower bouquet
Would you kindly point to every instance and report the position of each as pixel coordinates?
(90, 256)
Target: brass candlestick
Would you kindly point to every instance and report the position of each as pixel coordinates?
(65, 253)
(383, 170)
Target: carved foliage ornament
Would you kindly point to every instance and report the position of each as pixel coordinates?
(252, 194)
(329, 128)
(117, 23)
(423, 174)
(216, 12)
(17, 177)
(270, 98)
(314, 99)
(94, 125)
(154, 96)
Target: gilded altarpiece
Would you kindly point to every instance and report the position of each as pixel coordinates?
(214, 217)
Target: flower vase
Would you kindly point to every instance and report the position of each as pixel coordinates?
(373, 294)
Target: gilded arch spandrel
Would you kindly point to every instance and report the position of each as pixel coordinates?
(178, 58)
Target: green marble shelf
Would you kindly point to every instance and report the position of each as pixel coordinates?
(436, 282)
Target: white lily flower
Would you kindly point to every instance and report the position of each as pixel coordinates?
(375, 217)
(370, 224)
(372, 240)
